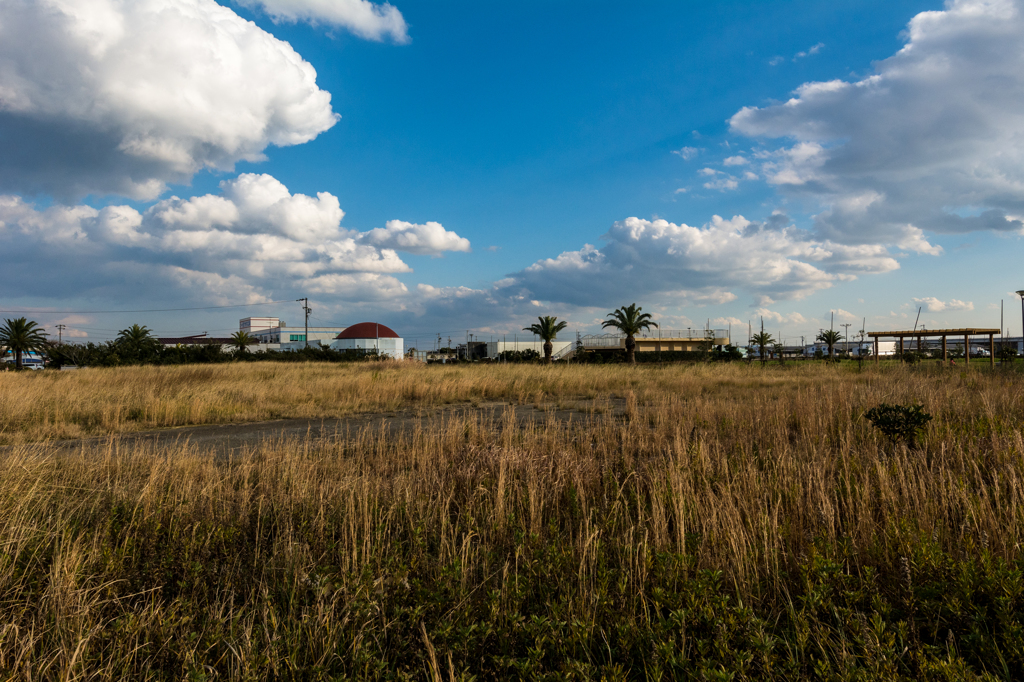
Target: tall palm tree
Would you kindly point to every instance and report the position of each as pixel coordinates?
(830, 338)
(763, 341)
(630, 321)
(137, 342)
(21, 336)
(547, 328)
(242, 340)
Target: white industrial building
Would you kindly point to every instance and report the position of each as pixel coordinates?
(854, 348)
(274, 334)
(370, 336)
(558, 347)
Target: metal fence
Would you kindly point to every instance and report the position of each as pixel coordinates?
(618, 339)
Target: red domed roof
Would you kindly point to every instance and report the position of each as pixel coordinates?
(368, 330)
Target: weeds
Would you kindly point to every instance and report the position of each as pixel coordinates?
(753, 530)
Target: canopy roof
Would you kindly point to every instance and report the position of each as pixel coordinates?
(970, 331)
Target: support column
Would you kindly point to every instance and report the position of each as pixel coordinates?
(967, 349)
(991, 350)
(945, 356)
(901, 348)
(876, 350)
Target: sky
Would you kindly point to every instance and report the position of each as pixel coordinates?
(449, 167)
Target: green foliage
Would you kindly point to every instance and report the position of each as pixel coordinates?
(835, 614)
(117, 354)
(830, 337)
(21, 336)
(241, 341)
(137, 345)
(630, 320)
(547, 328)
(527, 355)
(763, 340)
(900, 423)
(726, 353)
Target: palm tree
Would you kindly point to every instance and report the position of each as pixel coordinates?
(137, 342)
(21, 336)
(830, 338)
(762, 340)
(630, 321)
(547, 329)
(241, 340)
(780, 352)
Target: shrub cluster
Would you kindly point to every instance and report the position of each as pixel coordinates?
(116, 354)
(727, 353)
(527, 355)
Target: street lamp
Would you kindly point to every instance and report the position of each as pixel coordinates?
(1021, 294)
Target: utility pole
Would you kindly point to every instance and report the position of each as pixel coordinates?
(847, 325)
(62, 327)
(307, 310)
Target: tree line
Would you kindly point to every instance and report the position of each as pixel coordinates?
(136, 345)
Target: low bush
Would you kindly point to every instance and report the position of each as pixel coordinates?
(899, 423)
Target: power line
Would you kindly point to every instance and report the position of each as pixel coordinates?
(153, 310)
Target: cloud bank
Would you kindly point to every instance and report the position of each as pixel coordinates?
(645, 257)
(930, 142)
(124, 96)
(252, 239)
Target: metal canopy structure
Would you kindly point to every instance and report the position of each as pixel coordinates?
(944, 333)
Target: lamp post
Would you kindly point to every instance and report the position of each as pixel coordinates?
(1021, 294)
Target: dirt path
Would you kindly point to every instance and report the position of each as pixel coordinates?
(226, 438)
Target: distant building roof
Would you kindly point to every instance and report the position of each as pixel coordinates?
(368, 330)
(195, 340)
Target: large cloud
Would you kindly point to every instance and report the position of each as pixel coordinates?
(430, 238)
(363, 18)
(124, 96)
(930, 142)
(699, 264)
(255, 236)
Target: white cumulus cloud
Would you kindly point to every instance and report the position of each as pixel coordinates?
(430, 238)
(659, 257)
(124, 96)
(361, 17)
(252, 238)
(934, 305)
(928, 143)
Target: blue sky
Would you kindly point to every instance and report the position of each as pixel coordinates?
(557, 158)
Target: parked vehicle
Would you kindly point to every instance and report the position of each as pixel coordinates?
(30, 360)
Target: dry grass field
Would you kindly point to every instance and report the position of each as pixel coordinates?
(735, 523)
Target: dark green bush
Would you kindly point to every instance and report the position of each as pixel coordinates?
(900, 423)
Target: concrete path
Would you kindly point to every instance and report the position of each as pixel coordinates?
(226, 438)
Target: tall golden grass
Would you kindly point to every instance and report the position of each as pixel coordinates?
(290, 558)
(36, 406)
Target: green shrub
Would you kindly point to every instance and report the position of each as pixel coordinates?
(900, 423)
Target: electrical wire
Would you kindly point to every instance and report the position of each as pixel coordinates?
(153, 310)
